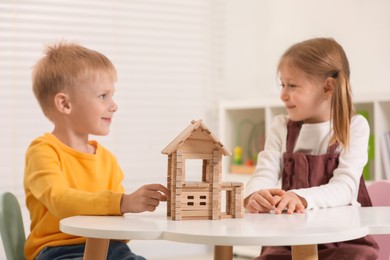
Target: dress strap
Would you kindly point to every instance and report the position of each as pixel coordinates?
(293, 129)
(332, 148)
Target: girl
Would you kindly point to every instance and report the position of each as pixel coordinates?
(318, 150)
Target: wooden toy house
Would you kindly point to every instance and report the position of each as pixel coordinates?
(200, 199)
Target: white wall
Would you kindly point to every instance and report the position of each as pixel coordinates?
(258, 32)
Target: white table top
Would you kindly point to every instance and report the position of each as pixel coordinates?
(313, 227)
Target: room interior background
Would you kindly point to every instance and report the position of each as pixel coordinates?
(176, 59)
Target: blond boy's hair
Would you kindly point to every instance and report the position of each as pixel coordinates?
(63, 67)
(322, 58)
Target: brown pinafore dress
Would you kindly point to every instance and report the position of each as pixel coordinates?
(302, 171)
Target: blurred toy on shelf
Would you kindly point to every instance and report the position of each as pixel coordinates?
(250, 138)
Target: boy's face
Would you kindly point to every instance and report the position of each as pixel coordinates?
(92, 106)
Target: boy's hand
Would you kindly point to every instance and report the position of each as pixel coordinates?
(263, 200)
(146, 198)
(292, 202)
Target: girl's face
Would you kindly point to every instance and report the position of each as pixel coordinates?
(306, 99)
(93, 106)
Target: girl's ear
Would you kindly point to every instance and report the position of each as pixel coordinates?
(62, 103)
(330, 86)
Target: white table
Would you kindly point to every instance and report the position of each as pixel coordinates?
(302, 231)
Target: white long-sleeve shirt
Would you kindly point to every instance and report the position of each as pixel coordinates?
(342, 188)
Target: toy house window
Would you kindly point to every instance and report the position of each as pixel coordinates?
(225, 202)
(193, 170)
(197, 200)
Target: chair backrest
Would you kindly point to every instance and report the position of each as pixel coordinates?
(11, 227)
(379, 192)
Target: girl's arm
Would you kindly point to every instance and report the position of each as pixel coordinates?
(268, 168)
(342, 188)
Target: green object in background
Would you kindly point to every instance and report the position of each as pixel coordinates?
(246, 151)
(371, 151)
(237, 155)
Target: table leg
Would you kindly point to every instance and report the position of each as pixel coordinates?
(223, 252)
(96, 249)
(305, 252)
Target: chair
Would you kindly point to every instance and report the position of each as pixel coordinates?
(11, 227)
(379, 192)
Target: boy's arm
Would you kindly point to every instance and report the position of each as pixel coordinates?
(146, 198)
(45, 181)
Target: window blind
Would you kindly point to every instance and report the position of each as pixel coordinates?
(168, 54)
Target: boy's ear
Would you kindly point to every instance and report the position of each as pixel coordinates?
(62, 103)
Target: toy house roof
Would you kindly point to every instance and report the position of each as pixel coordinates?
(182, 137)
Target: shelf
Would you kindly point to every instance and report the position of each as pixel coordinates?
(242, 169)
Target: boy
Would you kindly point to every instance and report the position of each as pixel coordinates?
(67, 174)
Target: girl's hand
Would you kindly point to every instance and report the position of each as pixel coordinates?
(263, 201)
(146, 198)
(292, 202)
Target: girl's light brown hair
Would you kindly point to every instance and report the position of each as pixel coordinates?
(62, 69)
(322, 58)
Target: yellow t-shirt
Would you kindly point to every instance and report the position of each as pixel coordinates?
(60, 182)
